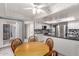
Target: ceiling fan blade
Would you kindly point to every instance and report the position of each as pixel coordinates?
(28, 8)
(40, 10)
(41, 6)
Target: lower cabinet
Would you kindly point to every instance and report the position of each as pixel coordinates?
(66, 47)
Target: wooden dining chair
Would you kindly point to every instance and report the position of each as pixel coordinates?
(33, 39)
(15, 43)
(50, 43)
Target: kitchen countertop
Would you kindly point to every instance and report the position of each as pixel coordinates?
(69, 38)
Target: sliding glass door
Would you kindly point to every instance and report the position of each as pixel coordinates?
(9, 30)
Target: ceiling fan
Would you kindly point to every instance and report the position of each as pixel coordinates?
(36, 8)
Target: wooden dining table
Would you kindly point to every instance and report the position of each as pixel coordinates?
(32, 49)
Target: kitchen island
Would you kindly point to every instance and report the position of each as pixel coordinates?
(66, 47)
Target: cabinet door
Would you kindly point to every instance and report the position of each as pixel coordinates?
(77, 50)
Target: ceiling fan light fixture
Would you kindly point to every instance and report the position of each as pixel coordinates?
(34, 11)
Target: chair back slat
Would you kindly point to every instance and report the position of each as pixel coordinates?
(50, 43)
(33, 39)
(15, 43)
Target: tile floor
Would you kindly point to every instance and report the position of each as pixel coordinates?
(6, 51)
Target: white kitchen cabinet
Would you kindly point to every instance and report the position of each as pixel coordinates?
(76, 50)
(64, 46)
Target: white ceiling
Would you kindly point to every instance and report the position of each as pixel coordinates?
(17, 10)
(72, 11)
(51, 10)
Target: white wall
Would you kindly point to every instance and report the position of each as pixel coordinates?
(1, 34)
(19, 29)
(30, 28)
